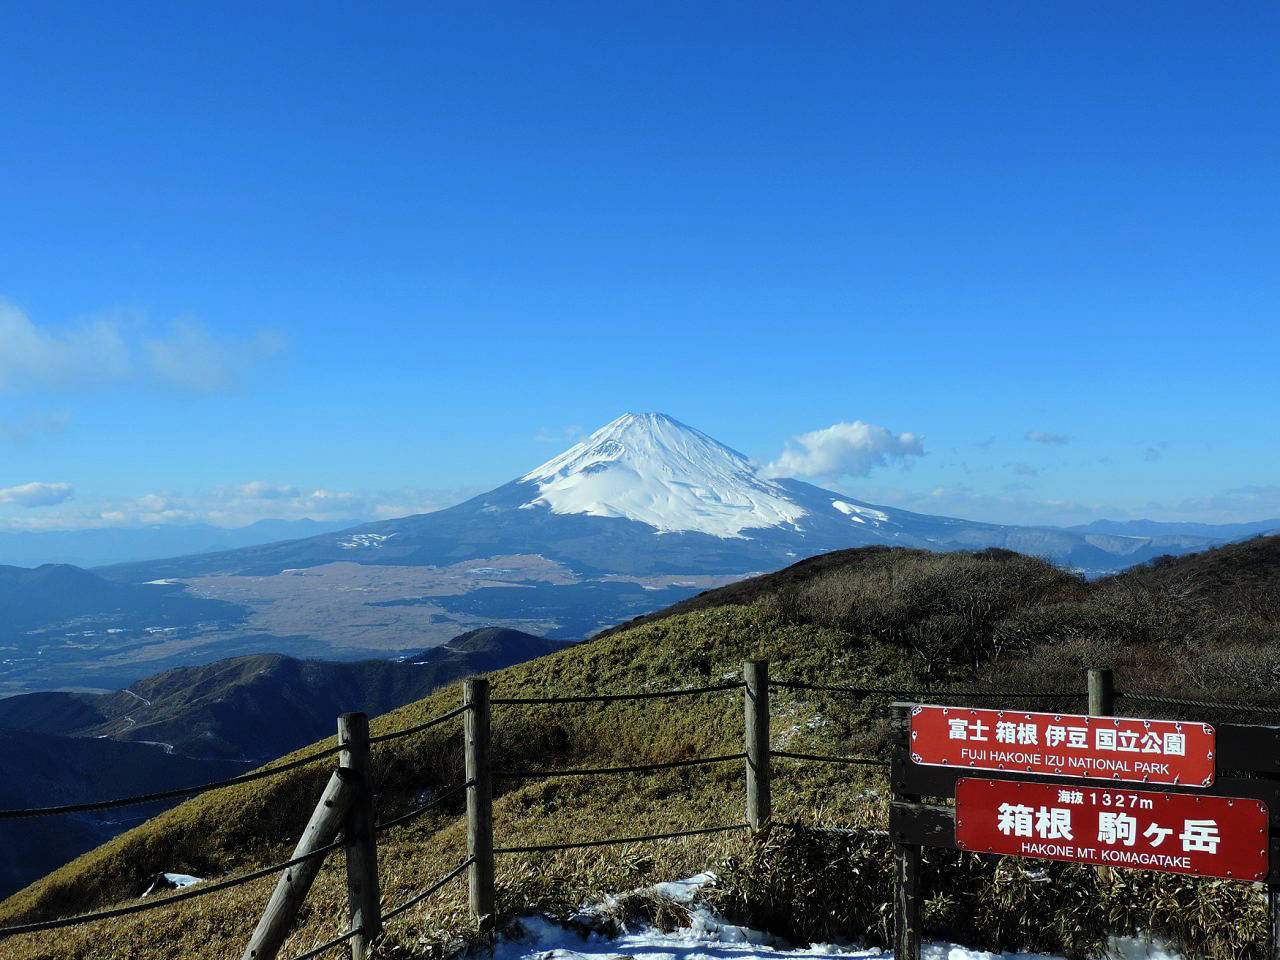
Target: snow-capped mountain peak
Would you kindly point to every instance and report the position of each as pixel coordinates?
(652, 468)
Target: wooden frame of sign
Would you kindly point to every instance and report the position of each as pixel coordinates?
(922, 811)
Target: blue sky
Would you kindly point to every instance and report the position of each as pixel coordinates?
(361, 260)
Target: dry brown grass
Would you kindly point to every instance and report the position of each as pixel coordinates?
(893, 618)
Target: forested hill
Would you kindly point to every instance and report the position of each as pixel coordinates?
(257, 707)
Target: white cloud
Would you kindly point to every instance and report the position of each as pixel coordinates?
(570, 434)
(37, 494)
(89, 353)
(851, 449)
(119, 349)
(1043, 436)
(233, 505)
(188, 355)
(257, 490)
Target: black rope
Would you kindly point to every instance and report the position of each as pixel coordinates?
(419, 897)
(417, 812)
(1205, 704)
(821, 758)
(920, 694)
(637, 768)
(842, 831)
(197, 891)
(610, 697)
(618, 841)
(336, 941)
(218, 784)
(427, 725)
(169, 794)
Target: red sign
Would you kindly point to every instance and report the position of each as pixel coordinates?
(1099, 748)
(1115, 827)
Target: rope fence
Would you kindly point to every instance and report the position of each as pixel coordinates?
(170, 794)
(418, 728)
(1163, 701)
(825, 758)
(429, 805)
(615, 697)
(918, 695)
(620, 841)
(409, 904)
(926, 694)
(417, 898)
(355, 793)
(609, 771)
(203, 890)
(330, 944)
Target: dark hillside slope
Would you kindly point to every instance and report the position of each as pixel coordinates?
(41, 770)
(257, 707)
(56, 593)
(900, 618)
(191, 725)
(1246, 571)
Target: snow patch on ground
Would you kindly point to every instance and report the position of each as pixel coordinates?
(171, 881)
(651, 468)
(709, 937)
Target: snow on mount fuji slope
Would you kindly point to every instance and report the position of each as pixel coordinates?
(651, 468)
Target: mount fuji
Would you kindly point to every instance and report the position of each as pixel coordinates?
(648, 495)
(642, 514)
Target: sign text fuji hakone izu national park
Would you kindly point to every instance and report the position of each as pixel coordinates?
(1107, 748)
(1110, 825)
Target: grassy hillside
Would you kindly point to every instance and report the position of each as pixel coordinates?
(872, 616)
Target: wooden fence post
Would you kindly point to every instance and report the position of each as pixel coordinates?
(906, 859)
(1102, 703)
(759, 796)
(364, 899)
(475, 694)
(1102, 692)
(294, 883)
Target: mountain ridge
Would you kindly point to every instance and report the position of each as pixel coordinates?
(255, 707)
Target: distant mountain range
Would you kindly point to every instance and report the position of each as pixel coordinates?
(1219, 532)
(647, 494)
(105, 545)
(197, 724)
(55, 617)
(644, 513)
